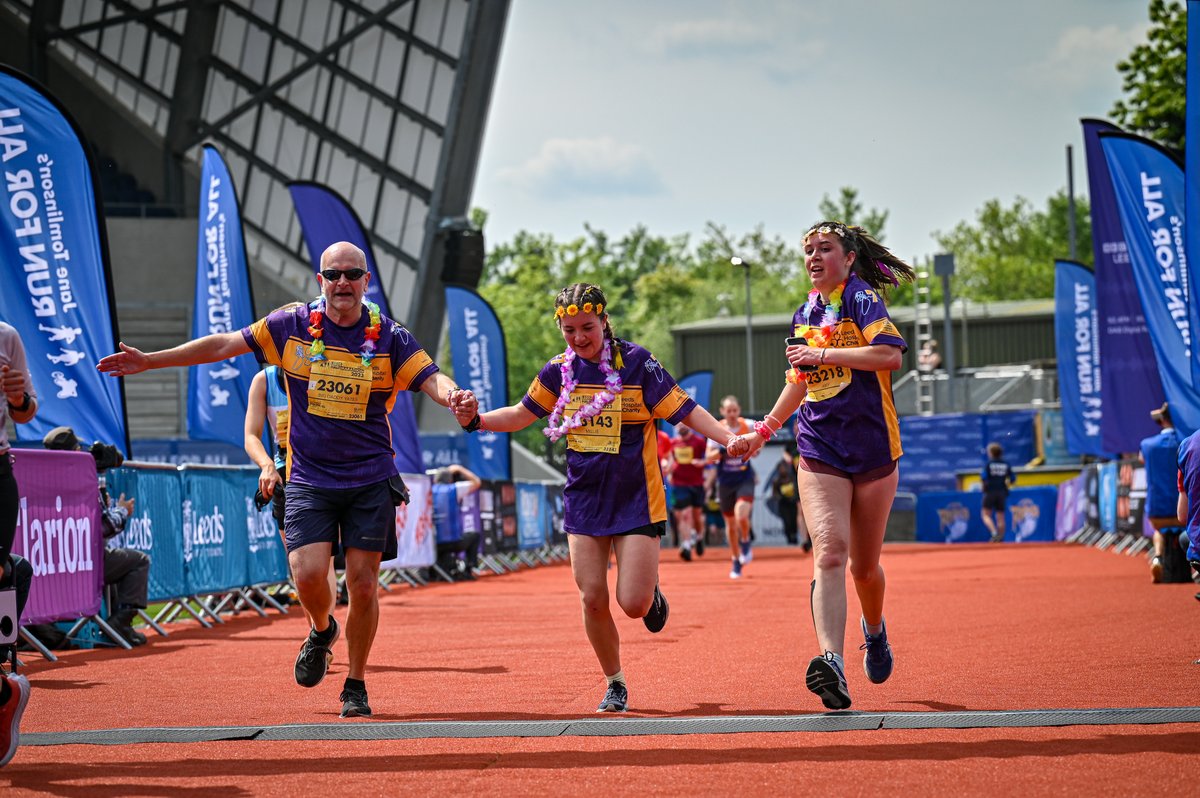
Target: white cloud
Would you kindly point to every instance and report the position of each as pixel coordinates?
(574, 168)
(709, 37)
(1083, 56)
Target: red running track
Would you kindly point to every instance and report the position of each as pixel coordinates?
(974, 627)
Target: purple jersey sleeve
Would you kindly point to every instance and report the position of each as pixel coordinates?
(865, 306)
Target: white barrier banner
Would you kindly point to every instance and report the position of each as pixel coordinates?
(414, 526)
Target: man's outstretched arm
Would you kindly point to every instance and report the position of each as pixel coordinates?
(209, 349)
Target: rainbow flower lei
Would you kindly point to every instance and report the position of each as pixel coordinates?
(821, 334)
(559, 426)
(316, 318)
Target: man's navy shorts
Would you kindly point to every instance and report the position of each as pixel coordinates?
(365, 516)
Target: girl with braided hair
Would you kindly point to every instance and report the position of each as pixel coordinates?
(848, 439)
(604, 395)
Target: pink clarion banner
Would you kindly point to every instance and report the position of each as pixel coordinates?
(58, 531)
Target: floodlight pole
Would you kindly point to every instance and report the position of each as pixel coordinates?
(750, 406)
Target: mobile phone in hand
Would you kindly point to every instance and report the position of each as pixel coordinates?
(800, 342)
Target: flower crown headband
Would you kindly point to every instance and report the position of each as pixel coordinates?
(573, 309)
(825, 229)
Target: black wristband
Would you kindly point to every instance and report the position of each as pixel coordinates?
(474, 424)
(26, 401)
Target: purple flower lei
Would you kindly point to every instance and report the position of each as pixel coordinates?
(558, 426)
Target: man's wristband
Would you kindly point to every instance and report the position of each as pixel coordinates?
(474, 424)
(26, 401)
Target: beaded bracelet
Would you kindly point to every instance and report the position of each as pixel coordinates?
(763, 430)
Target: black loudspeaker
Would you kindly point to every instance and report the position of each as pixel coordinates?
(462, 256)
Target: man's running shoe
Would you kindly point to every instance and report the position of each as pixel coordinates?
(736, 571)
(615, 698)
(877, 662)
(685, 553)
(354, 703)
(656, 617)
(747, 554)
(315, 656)
(826, 679)
(10, 717)
(699, 547)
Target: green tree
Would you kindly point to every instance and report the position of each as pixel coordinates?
(652, 283)
(1154, 78)
(1008, 252)
(849, 210)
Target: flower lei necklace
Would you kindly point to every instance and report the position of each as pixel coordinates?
(821, 334)
(558, 426)
(316, 317)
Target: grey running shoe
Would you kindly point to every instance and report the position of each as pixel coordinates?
(354, 703)
(656, 617)
(826, 679)
(315, 656)
(615, 698)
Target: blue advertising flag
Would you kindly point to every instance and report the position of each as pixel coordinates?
(1128, 374)
(480, 358)
(1077, 344)
(224, 303)
(1191, 114)
(58, 289)
(326, 218)
(1149, 187)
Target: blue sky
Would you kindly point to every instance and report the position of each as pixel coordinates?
(680, 112)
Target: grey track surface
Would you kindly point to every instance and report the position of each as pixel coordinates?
(621, 726)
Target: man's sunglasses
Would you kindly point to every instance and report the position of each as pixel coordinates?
(332, 275)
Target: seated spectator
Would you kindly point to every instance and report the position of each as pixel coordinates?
(128, 570)
(929, 358)
(452, 485)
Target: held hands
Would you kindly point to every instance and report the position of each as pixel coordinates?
(738, 445)
(463, 405)
(122, 364)
(14, 385)
(745, 445)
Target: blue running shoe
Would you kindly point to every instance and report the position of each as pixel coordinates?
(747, 554)
(826, 678)
(736, 571)
(878, 660)
(615, 698)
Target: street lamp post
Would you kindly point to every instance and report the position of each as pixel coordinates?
(750, 406)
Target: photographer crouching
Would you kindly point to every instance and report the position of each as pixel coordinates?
(128, 570)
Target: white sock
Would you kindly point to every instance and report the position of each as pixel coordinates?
(619, 676)
(873, 630)
(687, 544)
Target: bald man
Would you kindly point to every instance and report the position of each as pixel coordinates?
(343, 364)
